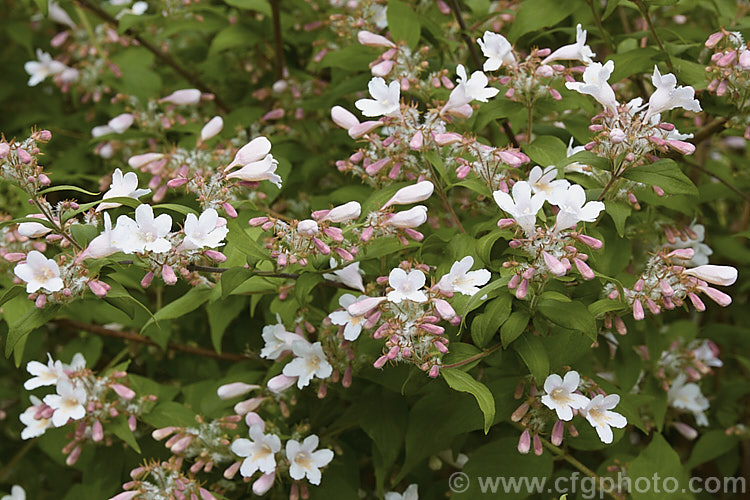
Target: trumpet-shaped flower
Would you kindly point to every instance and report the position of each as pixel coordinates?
(350, 276)
(561, 397)
(33, 229)
(262, 170)
(310, 361)
(67, 403)
(35, 427)
(600, 415)
(595, 84)
(43, 67)
(669, 96)
(574, 209)
(414, 217)
(498, 51)
(278, 340)
(259, 451)
(204, 231)
(543, 181)
(411, 194)
(305, 461)
(523, 207)
(17, 492)
(410, 493)
(717, 275)
(122, 186)
(578, 51)
(44, 375)
(39, 272)
(352, 324)
(145, 234)
(103, 245)
(460, 279)
(688, 396)
(385, 99)
(406, 286)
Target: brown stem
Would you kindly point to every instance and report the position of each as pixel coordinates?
(163, 56)
(475, 357)
(279, 44)
(132, 336)
(707, 172)
(709, 129)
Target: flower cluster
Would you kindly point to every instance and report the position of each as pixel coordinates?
(553, 249)
(81, 397)
(156, 480)
(566, 397)
(407, 316)
(666, 283)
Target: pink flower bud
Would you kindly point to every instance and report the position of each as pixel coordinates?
(97, 288)
(545, 71)
(617, 136)
(638, 313)
(4, 150)
(714, 39)
(343, 118)
(175, 183)
(584, 269)
(448, 138)
(522, 290)
(263, 483)
(524, 443)
(380, 362)
(411, 194)
(23, 156)
(184, 97)
(415, 143)
(235, 389)
(40, 301)
(373, 168)
(555, 266)
(168, 275)
(229, 209)
(97, 432)
(557, 433)
(372, 40)
(681, 147)
(383, 68)
(280, 383)
(126, 495)
(146, 281)
(726, 59)
(123, 391)
(248, 405)
(160, 434)
(44, 180)
(363, 128)
(252, 418)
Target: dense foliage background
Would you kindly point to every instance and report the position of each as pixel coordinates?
(275, 68)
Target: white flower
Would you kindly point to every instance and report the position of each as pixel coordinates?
(310, 362)
(277, 340)
(35, 427)
(523, 207)
(543, 181)
(669, 96)
(461, 279)
(120, 123)
(575, 166)
(33, 229)
(253, 151)
(598, 413)
(308, 227)
(688, 396)
(262, 170)
(304, 461)
(67, 403)
(39, 272)
(409, 493)
(122, 186)
(58, 14)
(145, 234)
(350, 276)
(573, 208)
(560, 395)
(259, 451)
(474, 88)
(406, 286)
(497, 49)
(385, 99)
(352, 324)
(706, 355)
(16, 493)
(43, 67)
(578, 51)
(595, 84)
(204, 231)
(44, 375)
(344, 213)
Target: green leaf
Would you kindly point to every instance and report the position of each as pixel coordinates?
(485, 325)
(233, 36)
(570, 315)
(232, 278)
(547, 150)
(12, 293)
(710, 446)
(304, 285)
(619, 211)
(462, 381)
(514, 327)
(603, 306)
(664, 173)
(189, 302)
(536, 14)
(182, 209)
(658, 456)
(238, 237)
(119, 427)
(220, 314)
(170, 413)
(532, 352)
(403, 22)
(633, 62)
(19, 329)
(261, 6)
(67, 187)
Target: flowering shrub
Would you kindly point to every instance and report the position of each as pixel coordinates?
(347, 249)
